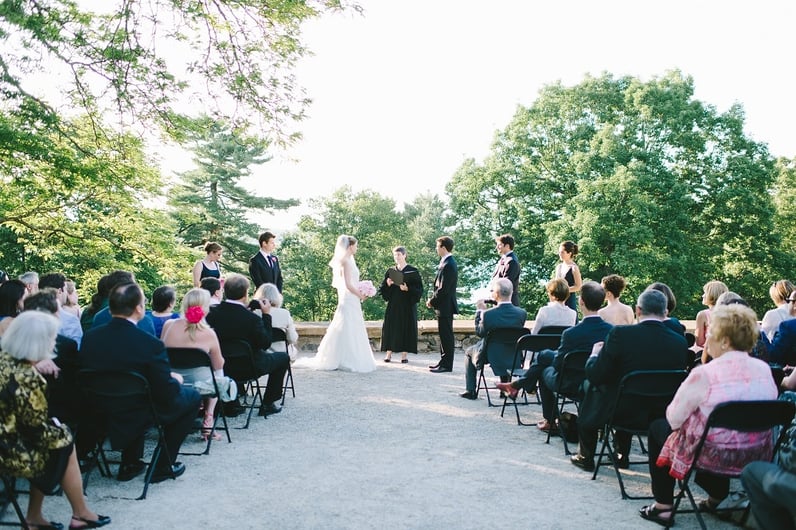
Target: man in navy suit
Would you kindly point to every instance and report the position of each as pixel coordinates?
(783, 348)
(547, 364)
(503, 315)
(508, 266)
(647, 345)
(120, 346)
(264, 266)
(443, 302)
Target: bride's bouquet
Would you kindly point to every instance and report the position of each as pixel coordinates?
(367, 288)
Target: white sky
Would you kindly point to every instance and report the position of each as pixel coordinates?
(403, 94)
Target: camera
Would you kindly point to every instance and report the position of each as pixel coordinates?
(254, 305)
(489, 301)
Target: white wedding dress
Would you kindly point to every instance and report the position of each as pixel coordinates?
(346, 345)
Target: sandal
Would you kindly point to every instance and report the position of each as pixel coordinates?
(651, 513)
(101, 520)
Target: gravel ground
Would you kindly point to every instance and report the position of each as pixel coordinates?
(396, 448)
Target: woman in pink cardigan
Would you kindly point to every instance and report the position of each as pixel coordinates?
(732, 376)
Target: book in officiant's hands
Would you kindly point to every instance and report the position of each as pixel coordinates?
(399, 277)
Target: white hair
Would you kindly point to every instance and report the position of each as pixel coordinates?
(31, 336)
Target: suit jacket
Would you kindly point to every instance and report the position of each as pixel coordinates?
(783, 348)
(235, 322)
(443, 299)
(583, 336)
(503, 315)
(648, 345)
(509, 267)
(120, 345)
(261, 272)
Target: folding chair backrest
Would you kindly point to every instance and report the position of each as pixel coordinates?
(238, 349)
(503, 342)
(751, 416)
(115, 384)
(183, 358)
(553, 330)
(648, 389)
(279, 334)
(573, 371)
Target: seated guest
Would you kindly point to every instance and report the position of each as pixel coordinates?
(120, 345)
(546, 365)
(233, 320)
(779, 293)
(103, 315)
(212, 286)
(72, 303)
(732, 376)
(280, 318)
(783, 347)
(647, 345)
(615, 312)
(35, 446)
(711, 292)
(164, 298)
(503, 315)
(671, 302)
(31, 281)
(555, 313)
(191, 330)
(12, 296)
(70, 324)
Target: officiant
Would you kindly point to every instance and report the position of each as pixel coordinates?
(401, 288)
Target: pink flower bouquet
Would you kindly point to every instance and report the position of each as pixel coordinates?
(367, 288)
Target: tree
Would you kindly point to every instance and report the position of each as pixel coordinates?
(210, 204)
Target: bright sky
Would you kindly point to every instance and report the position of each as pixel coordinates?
(403, 94)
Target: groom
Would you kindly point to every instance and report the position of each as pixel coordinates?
(264, 266)
(443, 301)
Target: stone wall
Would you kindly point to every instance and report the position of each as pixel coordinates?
(311, 333)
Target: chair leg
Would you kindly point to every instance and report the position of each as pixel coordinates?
(288, 384)
(10, 486)
(257, 396)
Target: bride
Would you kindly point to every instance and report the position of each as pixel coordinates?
(346, 345)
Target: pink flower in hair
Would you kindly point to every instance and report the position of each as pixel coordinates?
(194, 314)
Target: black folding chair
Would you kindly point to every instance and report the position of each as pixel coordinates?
(528, 344)
(119, 390)
(742, 416)
(188, 358)
(502, 341)
(641, 389)
(567, 391)
(9, 497)
(280, 335)
(239, 365)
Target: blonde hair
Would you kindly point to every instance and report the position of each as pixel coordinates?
(714, 289)
(31, 336)
(737, 323)
(196, 297)
(559, 289)
(780, 290)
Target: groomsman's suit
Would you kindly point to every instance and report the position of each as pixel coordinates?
(265, 270)
(509, 267)
(443, 301)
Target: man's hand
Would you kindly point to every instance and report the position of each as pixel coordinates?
(595, 350)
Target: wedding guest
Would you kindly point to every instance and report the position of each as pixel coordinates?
(710, 293)
(209, 266)
(103, 316)
(555, 313)
(3, 276)
(399, 330)
(70, 324)
(508, 266)
(37, 447)
(190, 330)
(615, 312)
(31, 281)
(164, 298)
(732, 376)
(671, 303)
(212, 286)
(443, 302)
(569, 271)
(264, 265)
(779, 292)
(72, 304)
(280, 318)
(12, 296)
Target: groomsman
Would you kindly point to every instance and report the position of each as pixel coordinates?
(443, 301)
(508, 266)
(264, 266)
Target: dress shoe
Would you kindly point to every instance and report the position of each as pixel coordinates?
(622, 461)
(469, 394)
(128, 471)
(164, 474)
(269, 408)
(233, 408)
(586, 464)
(509, 390)
(433, 365)
(440, 370)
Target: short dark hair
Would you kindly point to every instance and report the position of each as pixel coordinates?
(56, 280)
(614, 284)
(265, 236)
(163, 297)
(671, 301)
(593, 295)
(44, 300)
(652, 302)
(236, 286)
(10, 293)
(506, 239)
(447, 242)
(125, 298)
(210, 284)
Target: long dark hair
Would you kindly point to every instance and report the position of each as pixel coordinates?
(10, 294)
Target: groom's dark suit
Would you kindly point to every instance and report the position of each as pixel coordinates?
(263, 272)
(233, 321)
(443, 300)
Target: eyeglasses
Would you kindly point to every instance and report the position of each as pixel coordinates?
(790, 300)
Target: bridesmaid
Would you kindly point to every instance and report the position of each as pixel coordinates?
(209, 266)
(569, 271)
